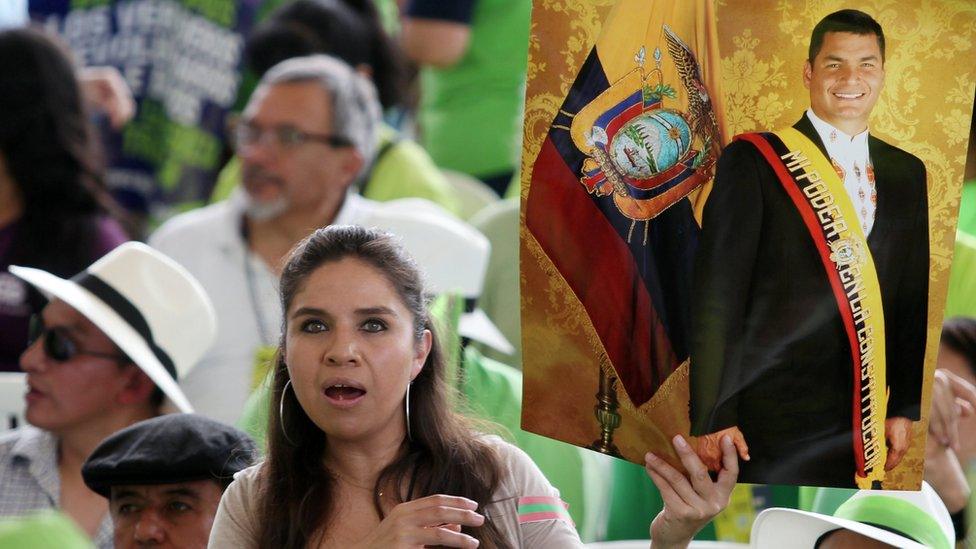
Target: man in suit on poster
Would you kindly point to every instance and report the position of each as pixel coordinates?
(776, 332)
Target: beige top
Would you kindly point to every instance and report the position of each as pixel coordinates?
(235, 525)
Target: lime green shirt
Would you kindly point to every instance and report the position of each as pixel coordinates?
(471, 113)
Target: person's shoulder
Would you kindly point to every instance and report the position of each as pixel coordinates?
(237, 517)
(246, 479)
(22, 440)
(194, 224)
(110, 233)
(242, 493)
(740, 156)
(9, 440)
(519, 473)
(882, 151)
(739, 151)
(740, 145)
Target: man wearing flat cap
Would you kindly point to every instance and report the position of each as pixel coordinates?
(164, 478)
(106, 352)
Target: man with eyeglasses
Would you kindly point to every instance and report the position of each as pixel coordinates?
(303, 138)
(106, 352)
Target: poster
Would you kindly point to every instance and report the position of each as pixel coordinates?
(607, 289)
(181, 58)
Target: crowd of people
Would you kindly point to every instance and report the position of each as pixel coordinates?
(139, 358)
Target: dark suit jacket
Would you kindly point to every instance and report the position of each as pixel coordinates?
(769, 352)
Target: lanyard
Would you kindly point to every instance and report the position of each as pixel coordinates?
(252, 290)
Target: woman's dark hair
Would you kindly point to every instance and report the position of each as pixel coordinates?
(959, 335)
(445, 456)
(47, 145)
(350, 30)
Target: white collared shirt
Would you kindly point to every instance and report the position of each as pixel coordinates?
(30, 481)
(852, 160)
(244, 291)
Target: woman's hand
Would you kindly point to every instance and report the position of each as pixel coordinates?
(952, 397)
(106, 89)
(689, 503)
(432, 520)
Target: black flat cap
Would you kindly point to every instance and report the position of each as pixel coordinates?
(168, 449)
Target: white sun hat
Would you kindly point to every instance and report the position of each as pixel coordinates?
(907, 519)
(147, 304)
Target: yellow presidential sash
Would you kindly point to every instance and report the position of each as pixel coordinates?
(828, 213)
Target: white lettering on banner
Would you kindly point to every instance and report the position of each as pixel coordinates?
(166, 52)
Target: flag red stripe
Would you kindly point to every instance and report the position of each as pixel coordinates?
(626, 116)
(597, 263)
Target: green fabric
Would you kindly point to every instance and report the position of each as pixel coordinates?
(961, 299)
(500, 296)
(823, 500)
(494, 392)
(254, 418)
(967, 208)
(405, 170)
(634, 503)
(898, 515)
(470, 113)
(515, 186)
(43, 530)
(389, 15)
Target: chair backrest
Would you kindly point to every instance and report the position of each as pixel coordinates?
(472, 193)
(500, 298)
(13, 386)
(453, 255)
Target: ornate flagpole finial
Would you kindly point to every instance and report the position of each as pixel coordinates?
(640, 57)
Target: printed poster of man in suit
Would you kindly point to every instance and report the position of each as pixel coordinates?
(812, 279)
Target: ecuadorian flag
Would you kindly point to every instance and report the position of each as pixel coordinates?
(616, 190)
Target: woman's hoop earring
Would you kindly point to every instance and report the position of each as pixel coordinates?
(406, 405)
(281, 414)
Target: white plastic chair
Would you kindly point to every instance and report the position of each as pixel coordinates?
(500, 299)
(13, 386)
(453, 255)
(472, 193)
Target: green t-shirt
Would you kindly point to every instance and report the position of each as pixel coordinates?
(471, 113)
(47, 529)
(967, 208)
(961, 299)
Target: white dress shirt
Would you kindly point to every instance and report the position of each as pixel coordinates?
(852, 161)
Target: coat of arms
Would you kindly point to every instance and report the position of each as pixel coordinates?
(642, 148)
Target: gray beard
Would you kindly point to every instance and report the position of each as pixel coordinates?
(261, 211)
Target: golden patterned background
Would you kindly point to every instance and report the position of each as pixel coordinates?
(925, 109)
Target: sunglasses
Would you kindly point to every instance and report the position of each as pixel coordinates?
(58, 346)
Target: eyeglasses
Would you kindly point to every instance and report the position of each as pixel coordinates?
(58, 346)
(246, 133)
